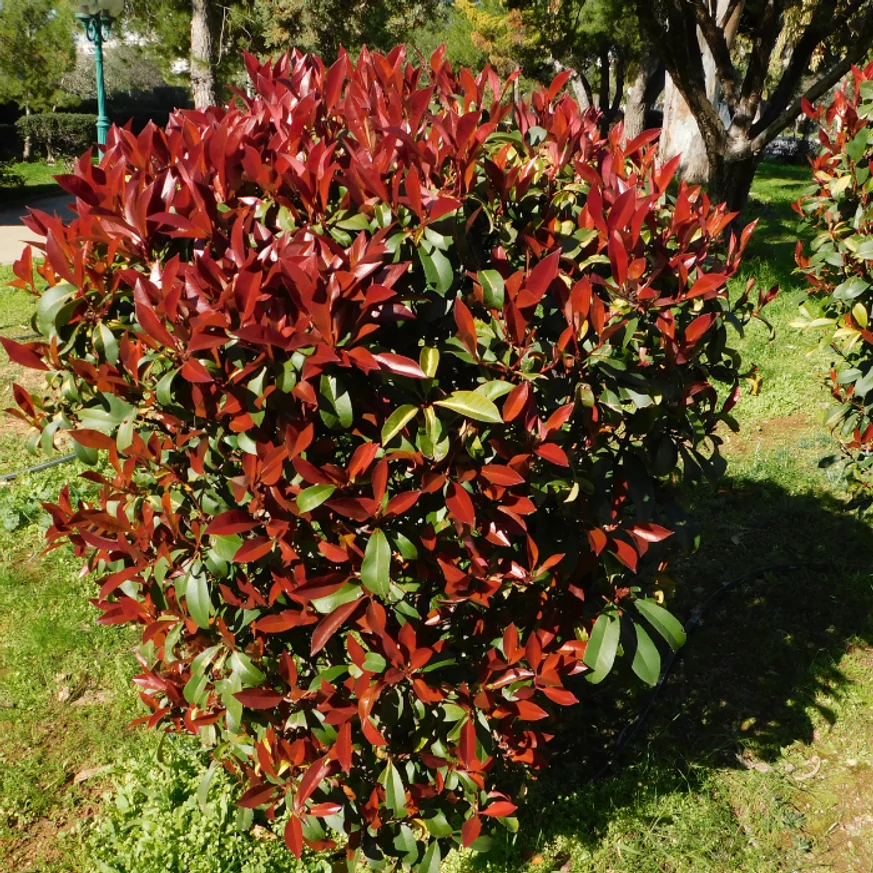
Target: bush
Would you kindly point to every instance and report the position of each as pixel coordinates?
(9, 176)
(839, 207)
(393, 378)
(59, 134)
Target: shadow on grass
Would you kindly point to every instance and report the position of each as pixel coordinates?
(749, 682)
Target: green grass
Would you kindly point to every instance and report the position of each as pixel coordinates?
(38, 181)
(756, 757)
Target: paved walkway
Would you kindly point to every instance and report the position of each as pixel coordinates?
(14, 235)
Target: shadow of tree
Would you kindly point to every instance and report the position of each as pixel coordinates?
(750, 677)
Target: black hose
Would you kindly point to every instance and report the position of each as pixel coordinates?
(54, 462)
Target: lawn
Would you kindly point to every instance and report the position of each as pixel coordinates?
(757, 754)
(38, 181)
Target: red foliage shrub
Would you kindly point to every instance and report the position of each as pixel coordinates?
(388, 375)
(839, 208)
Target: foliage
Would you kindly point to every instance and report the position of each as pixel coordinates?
(9, 176)
(391, 375)
(171, 813)
(59, 134)
(128, 71)
(839, 206)
(36, 49)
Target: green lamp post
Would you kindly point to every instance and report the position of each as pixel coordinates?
(96, 17)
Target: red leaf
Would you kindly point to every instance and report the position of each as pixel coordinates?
(322, 810)
(470, 830)
(194, 371)
(259, 698)
(400, 365)
(626, 553)
(22, 355)
(401, 503)
(652, 533)
(311, 780)
(330, 624)
(343, 747)
(501, 475)
(553, 453)
(516, 401)
(280, 622)
(294, 836)
(500, 809)
(698, 328)
(233, 521)
(460, 505)
(257, 796)
(467, 745)
(148, 318)
(529, 711)
(542, 275)
(706, 283)
(253, 549)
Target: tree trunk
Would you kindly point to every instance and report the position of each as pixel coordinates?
(731, 181)
(28, 144)
(681, 133)
(636, 104)
(204, 88)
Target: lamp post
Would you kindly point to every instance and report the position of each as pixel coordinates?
(96, 17)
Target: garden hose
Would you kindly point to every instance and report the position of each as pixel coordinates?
(54, 462)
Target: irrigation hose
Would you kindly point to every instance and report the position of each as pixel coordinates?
(54, 462)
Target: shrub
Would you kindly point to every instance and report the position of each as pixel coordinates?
(839, 268)
(392, 376)
(9, 176)
(59, 134)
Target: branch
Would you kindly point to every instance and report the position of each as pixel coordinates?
(715, 39)
(766, 35)
(859, 48)
(619, 84)
(816, 32)
(675, 39)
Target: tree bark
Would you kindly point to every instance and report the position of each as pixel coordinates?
(731, 181)
(204, 88)
(579, 86)
(682, 135)
(637, 102)
(28, 144)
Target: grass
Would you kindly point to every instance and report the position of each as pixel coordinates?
(38, 181)
(757, 756)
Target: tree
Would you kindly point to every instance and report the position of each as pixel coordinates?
(742, 70)
(325, 26)
(36, 49)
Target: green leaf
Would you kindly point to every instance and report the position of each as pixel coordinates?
(397, 421)
(495, 388)
(663, 622)
(338, 399)
(197, 598)
(109, 343)
(647, 660)
(602, 646)
(374, 662)
(473, 405)
(376, 566)
(395, 793)
(438, 825)
(203, 787)
(103, 419)
(309, 498)
(429, 360)
(432, 859)
(164, 391)
(492, 288)
(50, 303)
(242, 666)
(437, 270)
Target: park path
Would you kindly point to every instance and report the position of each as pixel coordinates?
(14, 236)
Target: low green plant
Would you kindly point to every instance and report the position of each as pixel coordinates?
(171, 812)
(9, 177)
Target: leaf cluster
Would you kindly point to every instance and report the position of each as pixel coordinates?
(391, 377)
(839, 267)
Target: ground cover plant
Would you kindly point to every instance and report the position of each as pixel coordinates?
(839, 206)
(388, 423)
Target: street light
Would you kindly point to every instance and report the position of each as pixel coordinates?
(96, 17)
